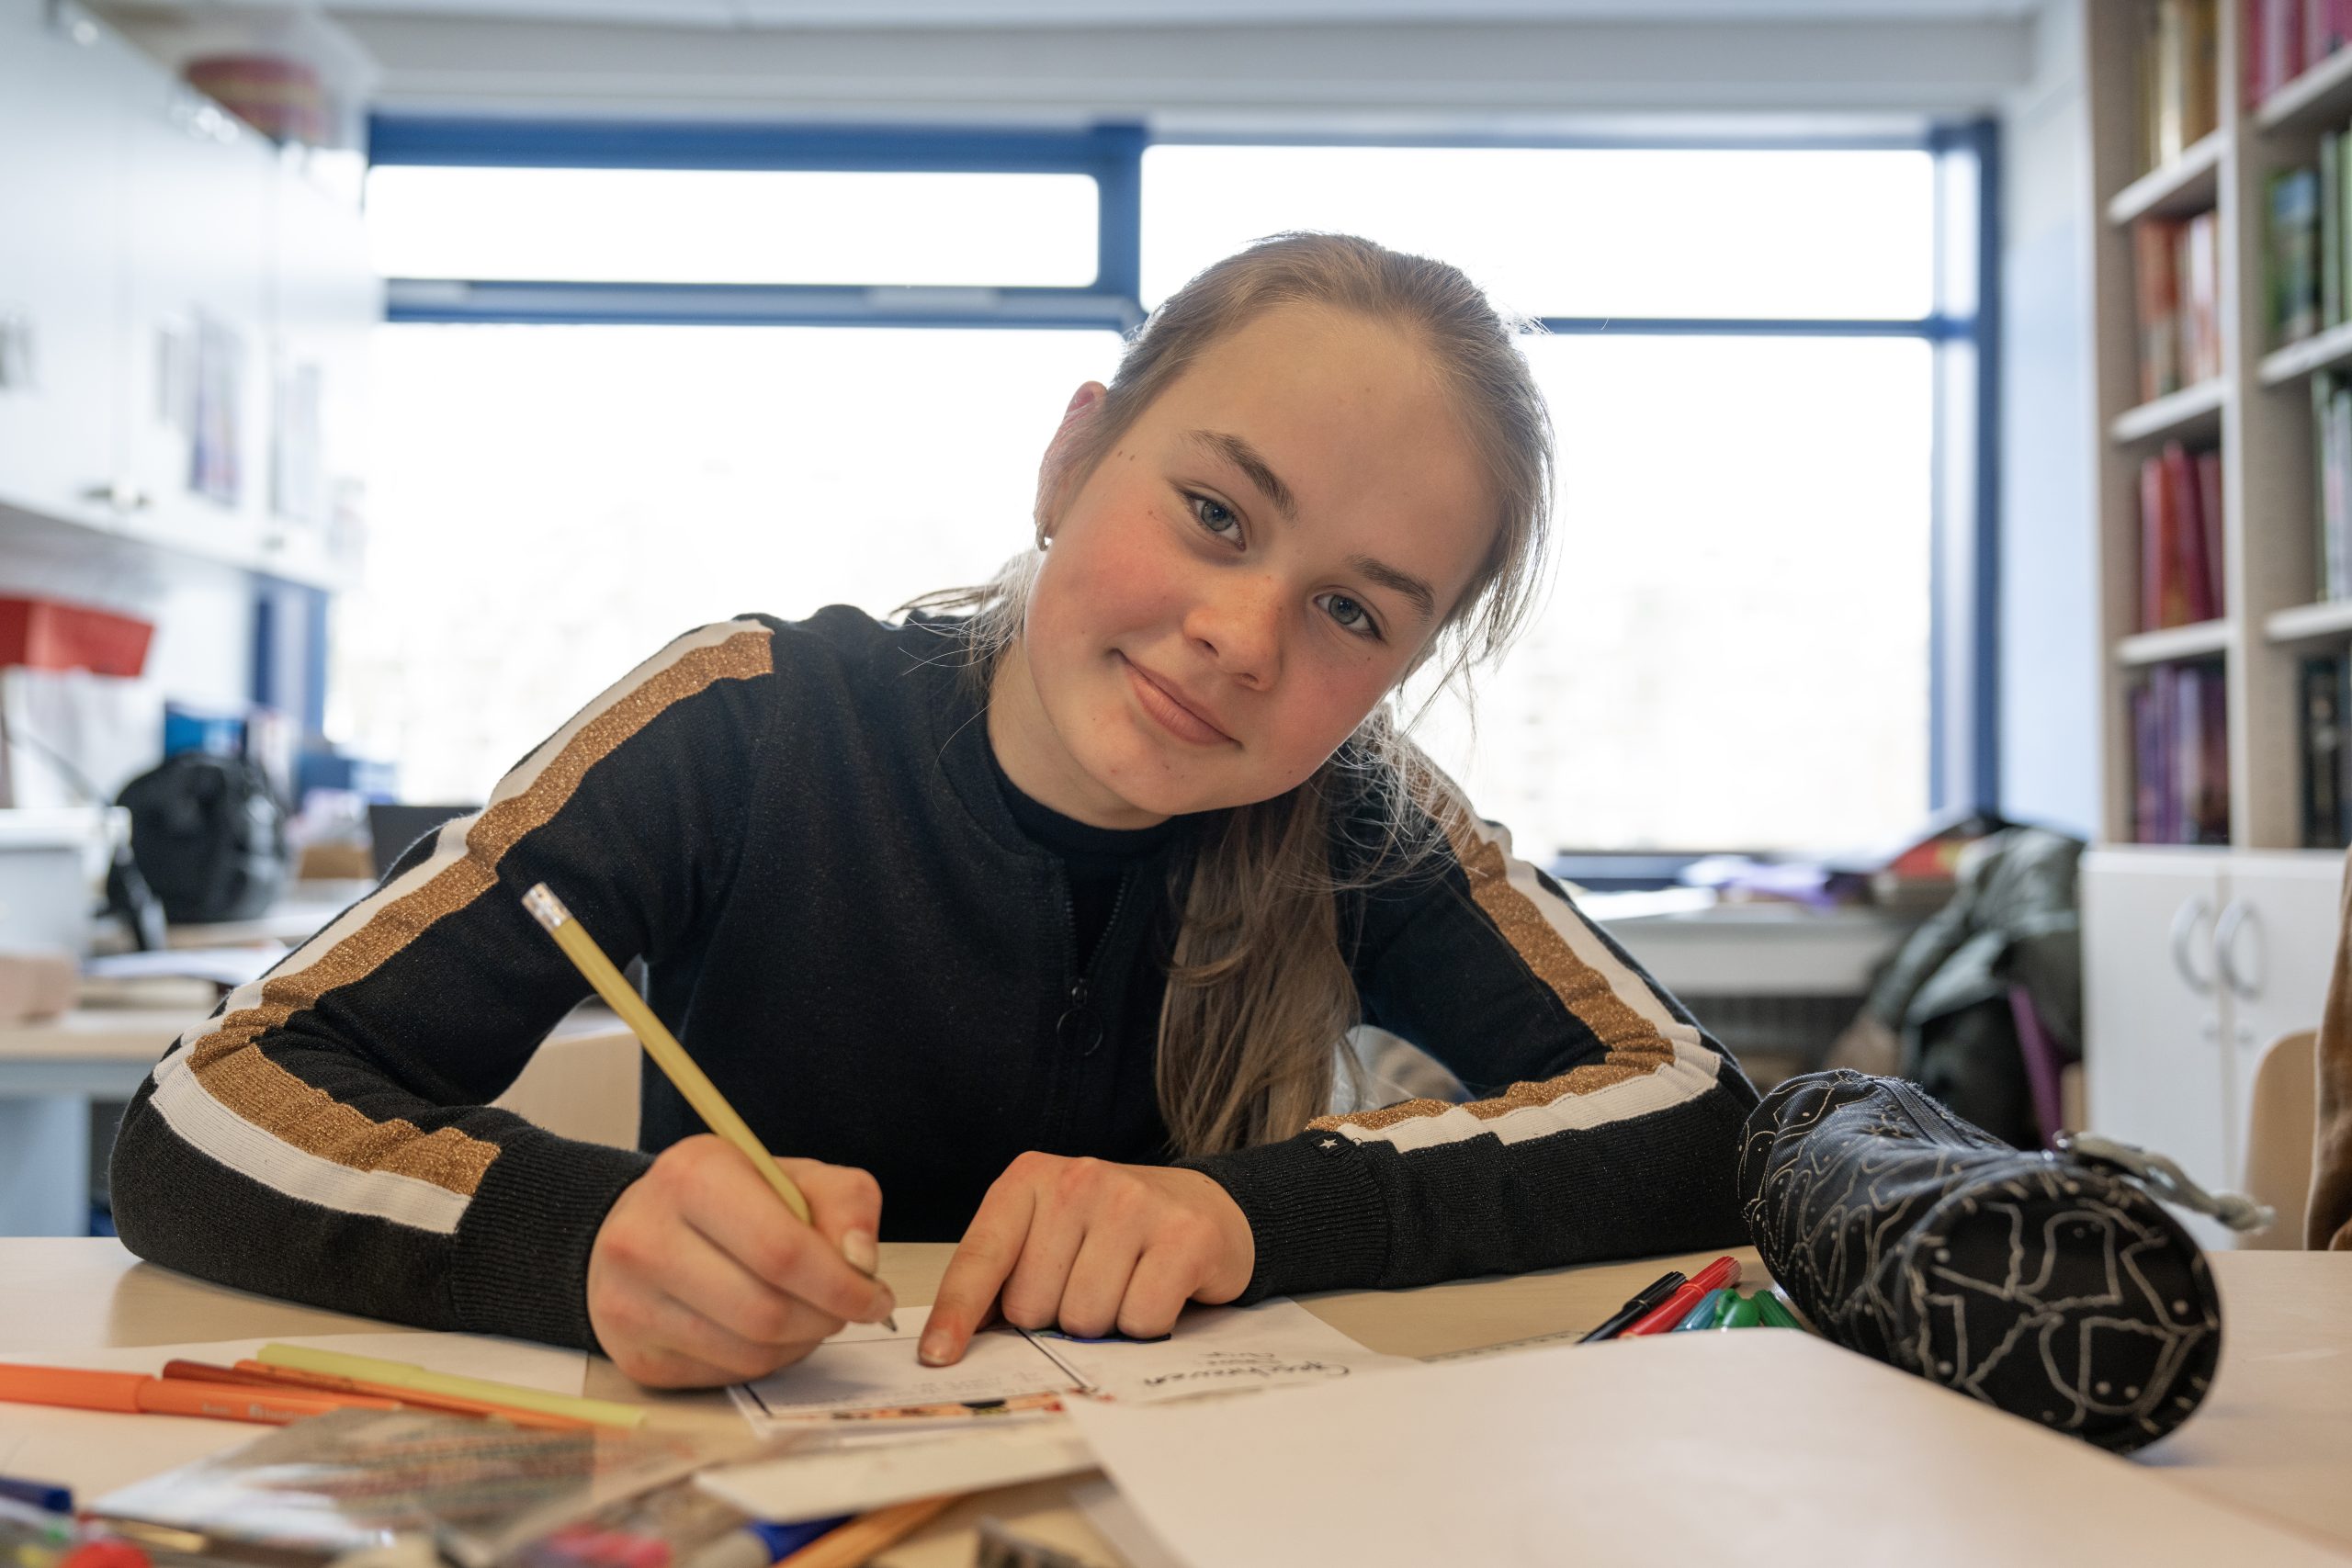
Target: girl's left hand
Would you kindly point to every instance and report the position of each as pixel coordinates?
(1090, 1246)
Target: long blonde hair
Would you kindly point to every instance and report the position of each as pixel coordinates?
(1259, 992)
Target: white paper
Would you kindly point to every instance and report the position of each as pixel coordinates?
(872, 1470)
(96, 1452)
(1680, 1448)
(867, 1367)
(1276, 1344)
(1113, 1517)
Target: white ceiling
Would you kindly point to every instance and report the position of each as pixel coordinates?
(1157, 13)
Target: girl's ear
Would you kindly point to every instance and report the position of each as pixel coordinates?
(1055, 468)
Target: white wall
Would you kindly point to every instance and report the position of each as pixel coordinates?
(2049, 627)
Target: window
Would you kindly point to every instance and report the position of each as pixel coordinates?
(807, 226)
(595, 433)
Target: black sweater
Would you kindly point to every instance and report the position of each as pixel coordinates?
(798, 826)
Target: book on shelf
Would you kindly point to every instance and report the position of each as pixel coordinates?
(2286, 37)
(2332, 442)
(2181, 534)
(2180, 755)
(2179, 78)
(2294, 253)
(2177, 266)
(2324, 701)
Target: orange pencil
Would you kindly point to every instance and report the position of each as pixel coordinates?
(205, 1372)
(868, 1534)
(138, 1394)
(447, 1403)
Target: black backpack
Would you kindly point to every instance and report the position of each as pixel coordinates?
(209, 834)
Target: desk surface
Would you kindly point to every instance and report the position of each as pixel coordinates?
(2275, 1438)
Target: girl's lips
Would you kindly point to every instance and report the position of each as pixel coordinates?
(1169, 711)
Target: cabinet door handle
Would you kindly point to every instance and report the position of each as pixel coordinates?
(2185, 922)
(2238, 917)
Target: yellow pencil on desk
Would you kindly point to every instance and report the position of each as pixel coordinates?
(661, 1045)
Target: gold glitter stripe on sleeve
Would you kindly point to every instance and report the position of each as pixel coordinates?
(1632, 1047)
(241, 1077)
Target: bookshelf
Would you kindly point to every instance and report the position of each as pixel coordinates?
(2196, 957)
(2257, 411)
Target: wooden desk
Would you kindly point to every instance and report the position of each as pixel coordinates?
(2274, 1438)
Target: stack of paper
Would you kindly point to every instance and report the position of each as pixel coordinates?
(1777, 1449)
(882, 1428)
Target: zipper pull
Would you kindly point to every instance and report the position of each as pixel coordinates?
(1078, 1029)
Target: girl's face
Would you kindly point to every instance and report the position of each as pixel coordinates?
(1259, 560)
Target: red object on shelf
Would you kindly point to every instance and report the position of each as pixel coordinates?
(49, 633)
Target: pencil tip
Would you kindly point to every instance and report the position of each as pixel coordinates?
(891, 1323)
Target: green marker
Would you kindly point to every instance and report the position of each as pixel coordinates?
(1740, 1311)
(1774, 1313)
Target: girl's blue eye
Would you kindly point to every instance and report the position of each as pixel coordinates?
(1216, 517)
(1352, 616)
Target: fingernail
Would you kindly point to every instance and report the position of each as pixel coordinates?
(933, 1351)
(859, 1248)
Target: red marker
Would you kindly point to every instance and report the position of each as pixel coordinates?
(1723, 1271)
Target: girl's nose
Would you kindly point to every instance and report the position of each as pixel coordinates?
(1240, 623)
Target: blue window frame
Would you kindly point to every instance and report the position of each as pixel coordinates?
(1963, 327)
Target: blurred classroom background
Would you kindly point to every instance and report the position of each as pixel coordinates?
(1926, 684)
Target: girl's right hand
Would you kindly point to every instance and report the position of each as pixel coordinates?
(700, 1276)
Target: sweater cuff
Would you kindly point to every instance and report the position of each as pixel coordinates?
(521, 1262)
(1316, 1213)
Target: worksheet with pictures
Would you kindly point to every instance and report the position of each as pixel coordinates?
(867, 1369)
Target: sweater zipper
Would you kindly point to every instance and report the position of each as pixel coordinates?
(1077, 1026)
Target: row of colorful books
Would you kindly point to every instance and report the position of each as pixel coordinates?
(2332, 442)
(2180, 537)
(2286, 37)
(2178, 267)
(2293, 284)
(2311, 241)
(2323, 698)
(2179, 78)
(2181, 752)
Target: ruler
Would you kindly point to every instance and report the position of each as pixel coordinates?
(1565, 1336)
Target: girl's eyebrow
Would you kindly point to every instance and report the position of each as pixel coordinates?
(1246, 458)
(1403, 582)
(1254, 467)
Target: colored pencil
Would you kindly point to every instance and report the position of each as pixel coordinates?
(138, 1394)
(398, 1379)
(868, 1534)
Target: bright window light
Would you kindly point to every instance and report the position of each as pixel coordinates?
(1576, 231)
(555, 503)
(1735, 653)
(732, 226)
(1738, 517)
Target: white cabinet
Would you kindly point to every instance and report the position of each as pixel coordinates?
(2274, 946)
(65, 204)
(2193, 962)
(199, 309)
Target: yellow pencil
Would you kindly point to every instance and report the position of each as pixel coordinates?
(661, 1044)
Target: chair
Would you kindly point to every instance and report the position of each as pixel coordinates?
(2279, 1138)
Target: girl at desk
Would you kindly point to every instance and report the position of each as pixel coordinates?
(1039, 913)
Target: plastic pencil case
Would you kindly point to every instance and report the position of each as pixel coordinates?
(2047, 1285)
